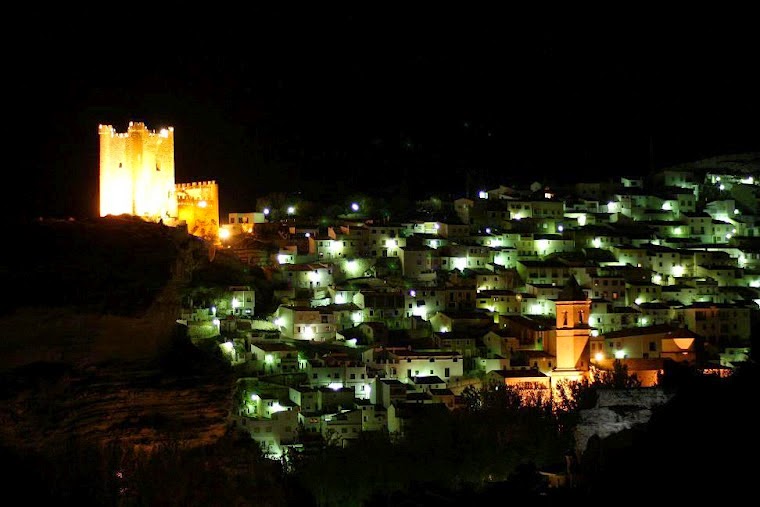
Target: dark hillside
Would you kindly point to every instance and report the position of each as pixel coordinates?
(84, 292)
(113, 265)
(97, 377)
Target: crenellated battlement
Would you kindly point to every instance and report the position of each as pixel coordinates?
(195, 184)
(136, 128)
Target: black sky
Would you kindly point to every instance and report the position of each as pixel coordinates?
(382, 101)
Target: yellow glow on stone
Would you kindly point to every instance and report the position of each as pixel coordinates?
(683, 343)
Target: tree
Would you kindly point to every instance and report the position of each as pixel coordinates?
(617, 378)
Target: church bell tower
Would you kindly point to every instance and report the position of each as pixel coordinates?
(572, 333)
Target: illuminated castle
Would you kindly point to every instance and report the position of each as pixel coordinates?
(137, 172)
(137, 178)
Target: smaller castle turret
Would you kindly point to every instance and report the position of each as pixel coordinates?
(198, 207)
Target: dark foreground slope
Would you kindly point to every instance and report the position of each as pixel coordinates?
(102, 397)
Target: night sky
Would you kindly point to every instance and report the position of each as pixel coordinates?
(332, 102)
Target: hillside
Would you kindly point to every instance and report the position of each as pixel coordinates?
(93, 365)
(95, 290)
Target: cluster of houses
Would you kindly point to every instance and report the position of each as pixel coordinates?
(528, 287)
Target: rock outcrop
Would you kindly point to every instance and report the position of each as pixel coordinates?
(617, 410)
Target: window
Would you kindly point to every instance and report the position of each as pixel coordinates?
(446, 372)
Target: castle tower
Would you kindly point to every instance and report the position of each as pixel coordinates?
(198, 207)
(137, 172)
(572, 333)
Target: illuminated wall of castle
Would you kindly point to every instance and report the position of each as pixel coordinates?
(137, 172)
(198, 206)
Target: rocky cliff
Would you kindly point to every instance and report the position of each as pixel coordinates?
(89, 345)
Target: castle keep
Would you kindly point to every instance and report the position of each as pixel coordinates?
(137, 178)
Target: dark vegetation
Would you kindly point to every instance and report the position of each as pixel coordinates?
(700, 446)
(231, 472)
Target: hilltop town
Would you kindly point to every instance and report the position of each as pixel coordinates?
(527, 287)
(353, 320)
